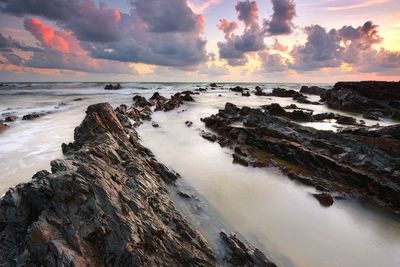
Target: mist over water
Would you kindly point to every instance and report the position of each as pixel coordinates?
(272, 212)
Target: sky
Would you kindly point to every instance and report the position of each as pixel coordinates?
(307, 41)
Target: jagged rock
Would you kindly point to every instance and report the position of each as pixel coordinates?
(32, 116)
(141, 101)
(365, 97)
(113, 87)
(187, 97)
(239, 254)
(246, 93)
(259, 91)
(10, 118)
(104, 204)
(324, 199)
(357, 161)
(209, 136)
(156, 97)
(312, 90)
(240, 159)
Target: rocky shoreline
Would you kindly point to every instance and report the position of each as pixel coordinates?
(356, 162)
(105, 204)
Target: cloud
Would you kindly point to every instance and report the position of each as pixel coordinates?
(321, 50)
(235, 47)
(157, 32)
(272, 62)
(281, 20)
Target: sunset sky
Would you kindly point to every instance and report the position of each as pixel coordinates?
(199, 40)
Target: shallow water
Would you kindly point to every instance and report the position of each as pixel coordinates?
(275, 214)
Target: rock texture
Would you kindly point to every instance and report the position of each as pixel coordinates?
(312, 90)
(113, 87)
(357, 163)
(105, 204)
(373, 99)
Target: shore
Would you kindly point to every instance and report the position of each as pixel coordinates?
(244, 129)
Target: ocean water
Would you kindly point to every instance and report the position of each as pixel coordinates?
(274, 213)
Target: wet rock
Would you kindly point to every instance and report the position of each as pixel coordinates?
(240, 159)
(300, 115)
(281, 92)
(184, 195)
(356, 160)
(209, 136)
(365, 97)
(346, 120)
(32, 116)
(213, 85)
(275, 109)
(259, 91)
(325, 199)
(246, 93)
(155, 124)
(201, 90)
(113, 87)
(156, 97)
(188, 123)
(238, 89)
(10, 118)
(375, 116)
(187, 97)
(104, 204)
(141, 101)
(312, 90)
(239, 254)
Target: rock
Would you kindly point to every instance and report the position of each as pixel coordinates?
(238, 89)
(246, 93)
(364, 97)
(280, 92)
(375, 116)
(356, 160)
(104, 204)
(10, 118)
(275, 109)
(239, 254)
(240, 159)
(300, 115)
(187, 97)
(188, 123)
(312, 90)
(346, 120)
(184, 195)
(156, 97)
(325, 199)
(155, 124)
(259, 91)
(213, 85)
(113, 87)
(32, 116)
(140, 101)
(209, 136)
(201, 90)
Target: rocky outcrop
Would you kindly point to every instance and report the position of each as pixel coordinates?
(373, 99)
(238, 89)
(11, 118)
(259, 91)
(32, 116)
(281, 92)
(113, 87)
(358, 164)
(239, 254)
(312, 90)
(105, 204)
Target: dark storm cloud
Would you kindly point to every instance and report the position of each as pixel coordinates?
(156, 32)
(167, 16)
(89, 21)
(281, 20)
(247, 12)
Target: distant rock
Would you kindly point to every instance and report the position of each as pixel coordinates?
(367, 97)
(32, 116)
(113, 87)
(259, 91)
(246, 93)
(213, 85)
(312, 90)
(10, 118)
(238, 89)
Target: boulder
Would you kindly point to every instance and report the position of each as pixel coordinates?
(246, 93)
(112, 87)
(312, 90)
(32, 116)
(238, 89)
(10, 118)
(325, 199)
